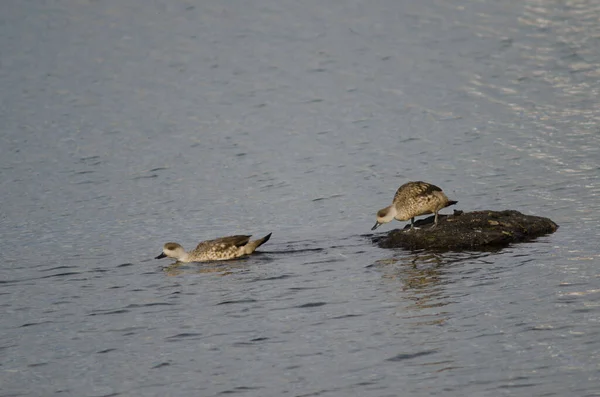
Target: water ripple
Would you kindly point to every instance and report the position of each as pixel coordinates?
(410, 356)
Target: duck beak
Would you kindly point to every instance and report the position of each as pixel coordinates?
(377, 224)
(162, 255)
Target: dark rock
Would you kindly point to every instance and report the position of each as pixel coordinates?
(471, 230)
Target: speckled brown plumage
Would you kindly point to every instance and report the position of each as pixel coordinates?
(413, 199)
(219, 249)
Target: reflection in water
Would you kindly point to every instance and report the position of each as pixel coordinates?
(201, 128)
(423, 277)
(221, 269)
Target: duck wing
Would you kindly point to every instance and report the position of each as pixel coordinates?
(237, 241)
(415, 190)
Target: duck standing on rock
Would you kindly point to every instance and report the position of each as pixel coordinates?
(414, 199)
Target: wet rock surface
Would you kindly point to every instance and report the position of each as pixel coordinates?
(468, 230)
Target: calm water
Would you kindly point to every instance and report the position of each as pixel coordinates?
(128, 124)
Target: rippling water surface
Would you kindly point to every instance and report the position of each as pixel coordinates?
(129, 124)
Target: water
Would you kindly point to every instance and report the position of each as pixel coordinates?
(129, 124)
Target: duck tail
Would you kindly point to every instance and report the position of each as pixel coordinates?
(253, 245)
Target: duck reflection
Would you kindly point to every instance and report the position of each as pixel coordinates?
(424, 277)
(220, 269)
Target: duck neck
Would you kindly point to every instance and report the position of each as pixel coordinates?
(184, 257)
(391, 214)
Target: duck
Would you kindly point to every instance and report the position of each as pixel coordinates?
(413, 199)
(219, 249)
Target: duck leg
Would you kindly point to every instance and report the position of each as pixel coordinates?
(435, 220)
(412, 224)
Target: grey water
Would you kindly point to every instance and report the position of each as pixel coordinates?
(127, 124)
